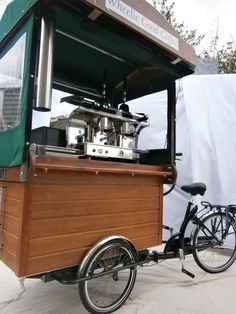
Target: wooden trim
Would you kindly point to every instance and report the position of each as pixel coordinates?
(25, 227)
(160, 213)
(2, 199)
(12, 174)
(15, 174)
(71, 164)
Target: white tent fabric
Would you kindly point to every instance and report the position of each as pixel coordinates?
(206, 125)
(210, 103)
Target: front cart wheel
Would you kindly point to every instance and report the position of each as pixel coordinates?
(108, 291)
(214, 243)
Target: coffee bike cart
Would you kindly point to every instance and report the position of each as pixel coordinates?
(66, 192)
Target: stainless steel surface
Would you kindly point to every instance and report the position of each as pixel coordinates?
(104, 124)
(44, 84)
(118, 115)
(105, 151)
(104, 132)
(41, 150)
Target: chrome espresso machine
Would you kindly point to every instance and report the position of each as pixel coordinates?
(102, 131)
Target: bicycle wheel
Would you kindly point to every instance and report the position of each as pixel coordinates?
(214, 243)
(106, 293)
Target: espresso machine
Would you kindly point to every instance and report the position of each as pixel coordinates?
(98, 130)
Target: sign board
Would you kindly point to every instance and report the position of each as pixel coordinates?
(133, 16)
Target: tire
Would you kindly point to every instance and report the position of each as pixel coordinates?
(209, 254)
(107, 293)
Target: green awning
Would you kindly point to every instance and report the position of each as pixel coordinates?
(13, 14)
(12, 140)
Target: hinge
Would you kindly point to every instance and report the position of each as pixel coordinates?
(23, 172)
(2, 173)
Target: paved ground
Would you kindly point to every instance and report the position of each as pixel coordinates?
(161, 289)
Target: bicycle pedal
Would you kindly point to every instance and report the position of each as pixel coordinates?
(188, 273)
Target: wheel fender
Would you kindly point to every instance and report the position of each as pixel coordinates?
(103, 241)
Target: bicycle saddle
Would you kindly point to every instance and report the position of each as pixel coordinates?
(195, 188)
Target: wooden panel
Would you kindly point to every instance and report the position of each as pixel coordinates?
(9, 259)
(73, 257)
(53, 219)
(49, 245)
(13, 206)
(15, 191)
(90, 192)
(52, 227)
(10, 242)
(12, 224)
(71, 211)
(56, 209)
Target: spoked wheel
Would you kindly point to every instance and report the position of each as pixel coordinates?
(106, 293)
(214, 244)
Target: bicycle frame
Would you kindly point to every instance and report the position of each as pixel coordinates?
(178, 240)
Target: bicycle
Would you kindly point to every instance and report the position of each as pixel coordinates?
(213, 238)
(113, 261)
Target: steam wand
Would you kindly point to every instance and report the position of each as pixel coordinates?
(104, 90)
(124, 106)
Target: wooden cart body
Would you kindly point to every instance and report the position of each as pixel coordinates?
(65, 206)
(53, 206)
